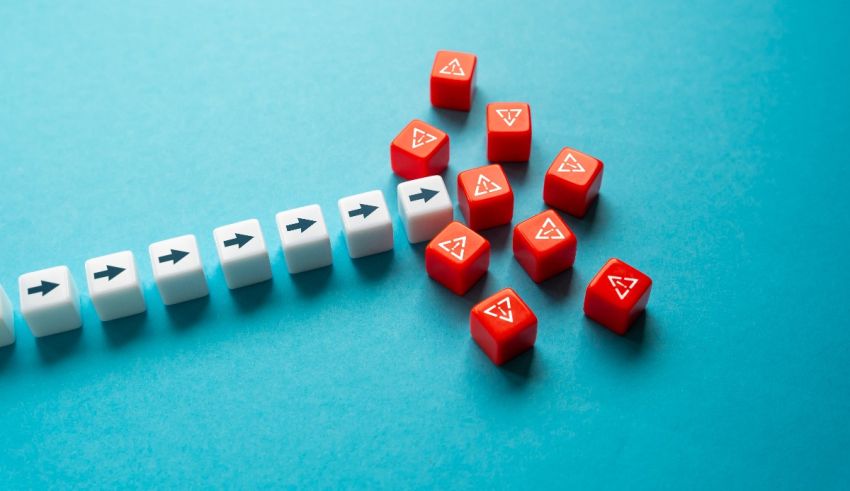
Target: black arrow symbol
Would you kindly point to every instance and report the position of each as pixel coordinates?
(364, 210)
(108, 273)
(302, 224)
(175, 256)
(423, 193)
(238, 240)
(45, 288)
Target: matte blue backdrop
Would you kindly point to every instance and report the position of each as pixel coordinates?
(724, 128)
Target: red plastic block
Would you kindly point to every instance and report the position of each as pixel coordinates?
(457, 257)
(503, 326)
(572, 181)
(453, 80)
(508, 132)
(617, 295)
(544, 245)
(485, 197)
(419, 150)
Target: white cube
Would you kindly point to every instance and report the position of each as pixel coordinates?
(114, 286)
(425, 207)
(49, 301)
(366, 223)
(243, 254)
(7, 319)
(178, 270)
(304, 238)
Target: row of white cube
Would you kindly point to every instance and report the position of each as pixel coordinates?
(50, 302)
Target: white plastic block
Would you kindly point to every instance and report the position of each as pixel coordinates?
(366, 224)
(49, 301)
(177, 269)
(7, 319)
(425, 207)
(304, 238)
(243, 254)
(114, 286)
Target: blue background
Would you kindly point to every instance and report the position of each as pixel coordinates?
(724, 129)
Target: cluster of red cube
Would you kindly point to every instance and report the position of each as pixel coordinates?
(457, 257)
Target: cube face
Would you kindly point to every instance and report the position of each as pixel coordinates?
(572, 181)
(114, 286)
(425, 207)
(457, 257)
(485, 197)
(7, 320)
(508, 132)
(178, 270)
(49, 301)
(453, 80)
(419, 150)
(366, 224)
(617, 295)
(544, 245)
(304, 238)
(243, 254)
(503, 326)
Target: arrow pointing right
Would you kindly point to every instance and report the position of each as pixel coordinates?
(44, 288)
(108, 273)
(423, 194)
(175, 256)
(364, 210)
(302, 224)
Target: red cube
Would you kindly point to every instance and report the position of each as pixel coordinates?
(503, 326)
(485, 197)
(572, 181)
(544, 245)
(419, 150)
(617, 295)
(457, 257)
(508, 132)
(453, 80)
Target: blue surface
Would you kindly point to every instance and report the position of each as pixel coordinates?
(724, 130)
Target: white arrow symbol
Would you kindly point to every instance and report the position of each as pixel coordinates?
(504, 307)
(485, 185)
(453, 68)
(420, 138)
(547, 229)
(570, 164)
(509, 116)
(457, 243)
(618, 282)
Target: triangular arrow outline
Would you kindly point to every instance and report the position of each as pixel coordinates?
(483, 186)
(457, 241)
(546, 230)
(617, 282)
(505, 316)
(421, 137)
(572, 165)
(453, 68)
(509, 116)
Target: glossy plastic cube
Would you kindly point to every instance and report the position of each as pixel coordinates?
(503, 326)
(242, 253)
(366, 224)
(178, 269)
(419, 150)
(453, 80)
(544, 245)
(485, 197)
(457, 257)
(508, 132)
(425, 207)
(49, 301)
(572, 181)
(304, 238)
(114, 286)
(617, 295)
(7, 320)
